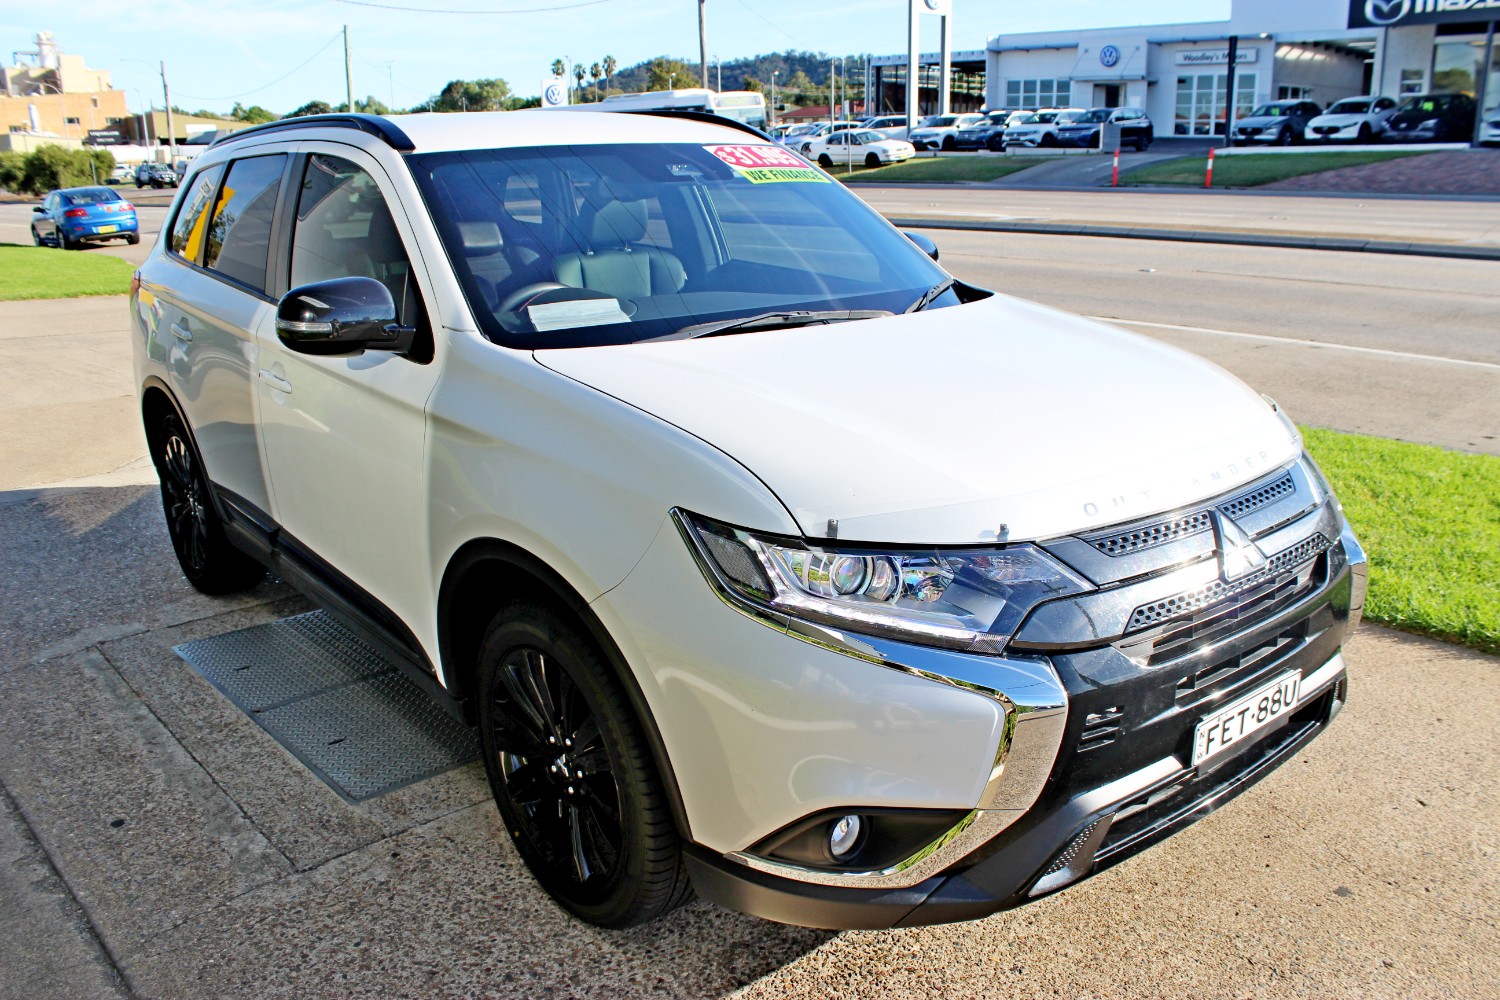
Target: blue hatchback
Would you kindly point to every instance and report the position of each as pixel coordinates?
(71, 217)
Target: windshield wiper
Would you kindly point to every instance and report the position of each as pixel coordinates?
(771, 320)
(930, 296)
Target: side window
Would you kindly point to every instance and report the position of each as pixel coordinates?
(192, 219)
(239, 237)
(344, 229)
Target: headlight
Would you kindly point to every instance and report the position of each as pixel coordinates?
(966, 599)
(1429, 123)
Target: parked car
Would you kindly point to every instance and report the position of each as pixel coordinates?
(1489, 129)
(122, 173)
(860, 145)
(568, 436)
(803, 143)
(1354, 119)
(1135, 128)
(68, 218)
(158, 175)
(940, 131)
(790, 133)
(1432, 118)
(1040, 129)
(894, 126)
(988, 133)
(1278, 123)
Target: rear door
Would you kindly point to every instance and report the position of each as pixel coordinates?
(211, 309)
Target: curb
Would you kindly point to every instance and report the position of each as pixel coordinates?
(1344, 244)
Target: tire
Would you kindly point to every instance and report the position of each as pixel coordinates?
(209, 562)
(156, 182)
(1284, 137)
(995, 145)
(825, 161)
(133, 239)
(871, 160)
(603, 845)
(63, 242)
(948, 144)
(1048, 139)
(36, 237)
(1364, 135)
(139, 183)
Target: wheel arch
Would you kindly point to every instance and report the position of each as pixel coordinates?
(486, 573)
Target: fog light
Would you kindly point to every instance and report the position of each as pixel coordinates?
(844, 837)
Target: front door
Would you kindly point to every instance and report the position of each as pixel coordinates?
(1107, 95)
(344, 435)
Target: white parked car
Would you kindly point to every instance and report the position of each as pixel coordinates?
(770, 560)
(1354, 119)
(862, 145)
(940, 131)
(803, 143)
(1040, 128)
(894, 126)
(1489, 129)
(793, 134)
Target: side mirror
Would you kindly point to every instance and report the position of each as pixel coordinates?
(923, 244)
(341, 316)
(38, 208)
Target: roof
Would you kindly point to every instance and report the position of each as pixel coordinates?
(542, 127)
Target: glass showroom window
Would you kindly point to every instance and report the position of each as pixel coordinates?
(1201, 98)
(1029, 95)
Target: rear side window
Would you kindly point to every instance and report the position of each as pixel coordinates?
(192, 219)
(239, 237)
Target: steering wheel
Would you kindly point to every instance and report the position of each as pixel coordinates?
(518, 298)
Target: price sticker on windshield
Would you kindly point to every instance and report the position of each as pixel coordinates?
(768, 164)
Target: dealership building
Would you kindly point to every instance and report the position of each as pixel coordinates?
(1319, 50)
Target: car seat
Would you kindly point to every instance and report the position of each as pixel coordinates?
(617, 263)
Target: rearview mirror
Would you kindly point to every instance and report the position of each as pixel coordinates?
(923, 244)
(341, 316)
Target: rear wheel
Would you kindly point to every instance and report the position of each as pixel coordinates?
(207, 559)
(825, 161)
(63, 241)
(571, 774)
(133, 239)
(871, 160)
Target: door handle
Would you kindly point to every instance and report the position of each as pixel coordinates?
(181, 331)
(275, 381)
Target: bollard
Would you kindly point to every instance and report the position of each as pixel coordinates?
(1208, 179)
(1115, 180)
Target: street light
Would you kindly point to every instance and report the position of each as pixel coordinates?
(718, 74)
(773, 97)
(670, 77)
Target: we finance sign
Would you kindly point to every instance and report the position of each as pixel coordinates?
(1398, 13)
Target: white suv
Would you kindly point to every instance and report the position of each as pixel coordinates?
(768, 559)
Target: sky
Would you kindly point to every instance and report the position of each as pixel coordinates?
(283, 53)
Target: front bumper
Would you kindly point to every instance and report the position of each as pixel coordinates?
(1085, 140)
(1121, 778)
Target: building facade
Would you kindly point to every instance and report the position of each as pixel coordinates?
(1319, 50)
(52, 95)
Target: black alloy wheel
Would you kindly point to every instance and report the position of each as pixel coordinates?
(571, 774)
(1284, 137)
(209, 562)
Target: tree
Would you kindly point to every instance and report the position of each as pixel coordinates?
(472, 95)
(49, 166)
(595, 74)
(254, 114)
(610, 65)
(311, 108)
(578, 73)
(371, 105)
(12, 170)
(665, 73)
(751, 83)
(799, 88)
(559, 67)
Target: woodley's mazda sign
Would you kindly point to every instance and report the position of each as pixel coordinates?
(1396, 13)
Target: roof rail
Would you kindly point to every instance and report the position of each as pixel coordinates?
(706, 117)
(375, 125)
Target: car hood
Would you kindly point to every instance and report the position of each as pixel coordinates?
(1263, 121)
(999, 419)
(1341, 120)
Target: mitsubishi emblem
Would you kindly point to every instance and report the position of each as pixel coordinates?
(1238, 555)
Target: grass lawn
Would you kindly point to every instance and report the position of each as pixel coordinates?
(1430, 520)
(45, 273)
(940, 168)
(1251, 171)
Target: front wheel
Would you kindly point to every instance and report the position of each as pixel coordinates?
(1364, 135)
(995, 145)
(209, 562)
(1048, 139)
(571, 774)
(36, 237)
(948, 144)
(1284, 137)
(871, 160)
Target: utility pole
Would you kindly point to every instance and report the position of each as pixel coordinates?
(773, 97)
(702, 47)
(166, 94)
(1233, 59)
(348, 76)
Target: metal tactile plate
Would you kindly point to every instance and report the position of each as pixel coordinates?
(335, 703)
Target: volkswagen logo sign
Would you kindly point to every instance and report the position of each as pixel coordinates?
(1109, 55)
(1384, 12)
(554, 94)
(933, 4)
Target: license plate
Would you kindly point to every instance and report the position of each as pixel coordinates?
(1239, 720)
(108, 229)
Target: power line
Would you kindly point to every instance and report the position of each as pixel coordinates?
(773, 24)
(247, 93)
(442, 10)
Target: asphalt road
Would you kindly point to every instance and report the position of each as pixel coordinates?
(156, 842)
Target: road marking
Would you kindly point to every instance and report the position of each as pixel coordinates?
(1405, 355)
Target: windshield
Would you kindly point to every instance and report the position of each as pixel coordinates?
(1063, 117)
(577, 246)
(1025, 119)
(1349, 108)
(1270, 111)
(1429, 103)
(90, 196)
(942, 121)
(1093, 117)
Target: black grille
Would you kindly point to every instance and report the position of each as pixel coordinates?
(1257, 498)
(1160, 533)
(1249, 588)
(1100, 729)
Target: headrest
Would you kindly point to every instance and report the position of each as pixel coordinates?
(481, 238)
(617, 224)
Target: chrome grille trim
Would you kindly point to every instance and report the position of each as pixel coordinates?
(1193, 600)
